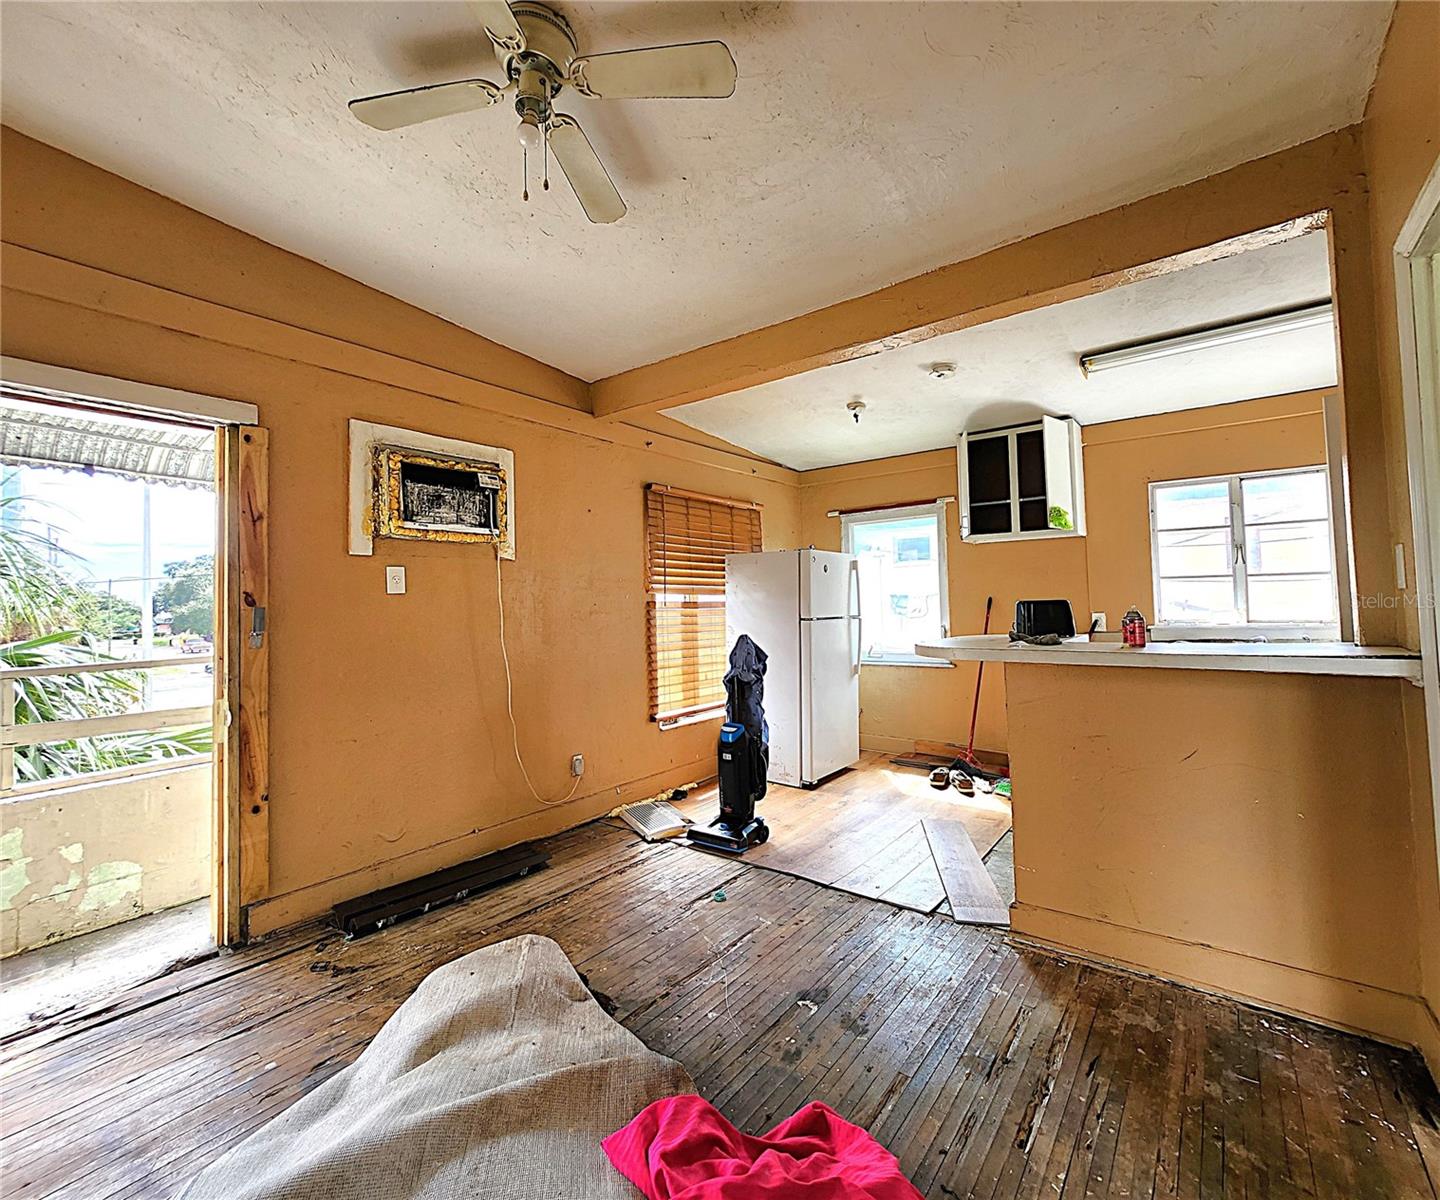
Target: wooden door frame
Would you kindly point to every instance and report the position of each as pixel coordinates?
(242, 679)
(1418, 240)
(240, 841)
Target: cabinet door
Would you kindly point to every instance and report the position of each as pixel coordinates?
(1059, 476)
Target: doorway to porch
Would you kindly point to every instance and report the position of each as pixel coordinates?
(107, 696)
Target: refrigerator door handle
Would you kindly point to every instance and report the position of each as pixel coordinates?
(855, 613)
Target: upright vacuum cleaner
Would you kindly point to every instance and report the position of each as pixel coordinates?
(743, 756)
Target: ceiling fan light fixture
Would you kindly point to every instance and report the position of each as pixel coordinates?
(530, 133)
(536, 49)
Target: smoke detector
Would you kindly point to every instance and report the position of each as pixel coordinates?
(940, 370)
(855, 408)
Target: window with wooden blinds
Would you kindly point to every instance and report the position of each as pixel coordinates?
(687, 537)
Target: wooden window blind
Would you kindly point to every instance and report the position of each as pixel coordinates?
(687, 537)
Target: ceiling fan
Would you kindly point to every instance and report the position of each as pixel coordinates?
(539, 55)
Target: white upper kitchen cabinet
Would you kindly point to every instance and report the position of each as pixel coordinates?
(1023, 481)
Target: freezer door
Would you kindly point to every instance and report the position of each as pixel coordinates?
(830, 697)
(761, 599)
(824, 584)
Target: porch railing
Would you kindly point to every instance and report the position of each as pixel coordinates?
(13, 735)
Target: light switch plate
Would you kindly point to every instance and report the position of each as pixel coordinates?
(394, 581)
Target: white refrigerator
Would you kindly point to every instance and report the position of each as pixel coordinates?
(802, 607)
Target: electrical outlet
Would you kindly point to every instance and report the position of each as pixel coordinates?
(394, 581)
(577, 765)
(1098, 620)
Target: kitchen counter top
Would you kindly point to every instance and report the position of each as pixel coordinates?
(1302, 658)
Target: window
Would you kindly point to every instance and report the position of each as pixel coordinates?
(687, 537)
(903, 597)
(1245, 550)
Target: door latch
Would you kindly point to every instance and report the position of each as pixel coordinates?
(257, 627)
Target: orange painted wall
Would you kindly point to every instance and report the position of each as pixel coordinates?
(1256, 841)
(900, 704)
(1122, 459)
(390, 748)
(1108, 569)
(1402, 146)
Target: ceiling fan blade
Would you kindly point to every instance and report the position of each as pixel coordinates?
(586, 173)
(395, 110)
(700, 69)
(500, 24)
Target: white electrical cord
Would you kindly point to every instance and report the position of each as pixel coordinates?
(510, 703)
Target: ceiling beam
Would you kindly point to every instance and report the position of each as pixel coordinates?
(1263, 202)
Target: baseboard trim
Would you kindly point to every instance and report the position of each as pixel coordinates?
(313, 900)
(882, 743)
(1429, 1043)
(1389, 1016)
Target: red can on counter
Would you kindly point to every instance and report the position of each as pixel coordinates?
(1132, 627)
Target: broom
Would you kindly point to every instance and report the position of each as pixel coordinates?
(965, 761)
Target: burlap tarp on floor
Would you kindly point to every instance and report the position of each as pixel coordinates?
(496, 1079)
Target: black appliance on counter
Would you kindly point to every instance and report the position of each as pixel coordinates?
(1036, 618)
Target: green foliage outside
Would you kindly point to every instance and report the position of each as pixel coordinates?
(188, 595)
(49, 618)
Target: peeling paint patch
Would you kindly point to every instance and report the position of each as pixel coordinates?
(109, 883)
(72, 882)
(12, 842)
(14, 873)
(73, 853)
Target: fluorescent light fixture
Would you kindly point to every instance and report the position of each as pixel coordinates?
(1210, 339)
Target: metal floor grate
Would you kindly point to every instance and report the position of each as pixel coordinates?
(654, 819)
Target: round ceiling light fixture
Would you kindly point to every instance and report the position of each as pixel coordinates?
(855, 408)
(940, 370)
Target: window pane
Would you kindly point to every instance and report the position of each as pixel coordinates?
(1198, 601)
(1288, 549)
(899, 583)
(1195, 552)
(1292, 598)
(1299, 497)
(1192, 505)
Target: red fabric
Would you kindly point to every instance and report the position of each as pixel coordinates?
(681, 1148)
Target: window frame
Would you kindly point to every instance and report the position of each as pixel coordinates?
(654, 493)
(935, 509)
(1328, 631)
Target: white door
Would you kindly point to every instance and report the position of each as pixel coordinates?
(824, 583)
(830, 696)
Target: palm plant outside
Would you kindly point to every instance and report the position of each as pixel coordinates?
(49, 618)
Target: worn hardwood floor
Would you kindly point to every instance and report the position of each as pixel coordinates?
(862, 831)
(990, 1070)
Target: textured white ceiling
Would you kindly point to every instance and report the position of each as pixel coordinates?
(1020, 367)
(866, 142)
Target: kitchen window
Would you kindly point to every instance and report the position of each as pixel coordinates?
(1245, 554)
(903, 593)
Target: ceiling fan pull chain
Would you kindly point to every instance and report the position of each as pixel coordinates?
(545, 159)
(525, 167)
